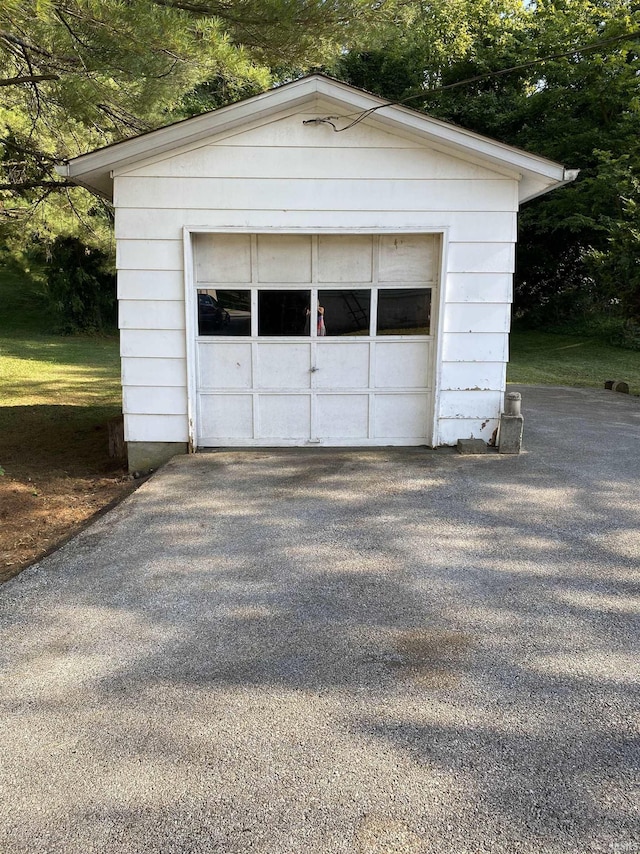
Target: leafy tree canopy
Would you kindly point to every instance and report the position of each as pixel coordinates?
(580, 106)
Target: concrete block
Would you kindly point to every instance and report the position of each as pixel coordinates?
(472, 446)
(510, 437)
(143, 456)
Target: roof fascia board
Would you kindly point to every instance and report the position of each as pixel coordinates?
(125, 166)
(193, 129)
(417, 137)
(464, 140)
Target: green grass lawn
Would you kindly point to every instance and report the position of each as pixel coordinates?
(56, 392)
(540, 358)
(57, 395)
(48, 369)
(40, 367)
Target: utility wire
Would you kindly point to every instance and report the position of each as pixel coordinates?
(329, 120)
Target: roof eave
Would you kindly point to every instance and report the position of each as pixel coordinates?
(568, 176)
(93, 170)
(190, 130)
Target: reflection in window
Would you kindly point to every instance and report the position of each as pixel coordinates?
(346, 312)
(224, 312)
(283, 312)
(405, 311)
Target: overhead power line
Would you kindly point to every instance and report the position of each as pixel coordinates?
(478, 77)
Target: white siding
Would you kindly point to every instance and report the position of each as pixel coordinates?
(151, 284)
(468, 226)
(474, 376)
(478, 317)
(155, 428)
(149, 255)
(481, 257)
(155, 400)
(468, 403)
(141, 371)
(474, 347)
(151, 314)
(289, 176)
(479, 287)
(153, 343)
(328, 195)
(242, 161)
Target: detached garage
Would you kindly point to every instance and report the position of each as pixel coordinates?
(285, 278)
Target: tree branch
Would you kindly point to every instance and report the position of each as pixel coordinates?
(31, 185)
(28, 78)
(8, 37)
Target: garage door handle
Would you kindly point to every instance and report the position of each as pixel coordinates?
(313, 369)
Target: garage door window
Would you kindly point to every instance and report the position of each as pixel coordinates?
(283, 313)
(404, 311)
(224, 312)
(286, 313)
(346, 312)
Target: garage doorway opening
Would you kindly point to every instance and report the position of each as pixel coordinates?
(314, 339)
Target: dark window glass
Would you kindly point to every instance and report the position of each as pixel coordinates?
(405, 311)
(345, 312)
(283, 312)
(224, 312)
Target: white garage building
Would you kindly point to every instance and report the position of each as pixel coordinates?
(284, 279)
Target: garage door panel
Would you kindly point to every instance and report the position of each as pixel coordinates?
(345, 258)
(402, 364)
(284, 416)
(226, 416)
(342, 416)
(341, 365)
(223, 258)
(225, 365)
(407, 258)
(284, 258)
(283, 365)
(401, 416)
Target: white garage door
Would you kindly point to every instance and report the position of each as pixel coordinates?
(314, 339)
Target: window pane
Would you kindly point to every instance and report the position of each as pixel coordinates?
(405, 311)
(283, 312)
(345, 312)
(224, 312)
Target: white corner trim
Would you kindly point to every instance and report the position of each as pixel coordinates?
(190, 332)
(441, 297)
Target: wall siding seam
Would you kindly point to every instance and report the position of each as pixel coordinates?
(296, 210)
(466, 211)
(309, 178)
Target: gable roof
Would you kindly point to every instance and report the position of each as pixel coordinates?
(537, 175)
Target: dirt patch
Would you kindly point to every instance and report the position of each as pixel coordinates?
(58, 476)
(37, 516)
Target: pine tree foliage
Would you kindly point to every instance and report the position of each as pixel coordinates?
(79, 74)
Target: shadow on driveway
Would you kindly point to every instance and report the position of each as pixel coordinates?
(393, 650)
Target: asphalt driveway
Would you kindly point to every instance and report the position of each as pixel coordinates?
(340, 651)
